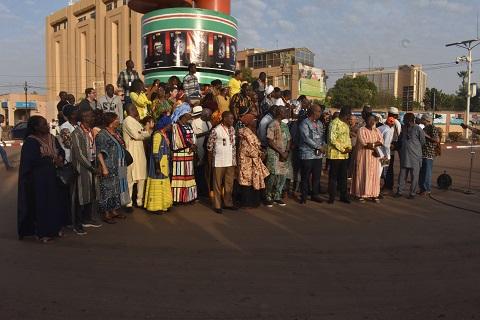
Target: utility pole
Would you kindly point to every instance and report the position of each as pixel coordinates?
(469, 45)
(25, 88)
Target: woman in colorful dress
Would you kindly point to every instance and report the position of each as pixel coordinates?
(184, 187)
(366, 181)
(158, 194)
(160, 104)
(113, 185)
(251, 170)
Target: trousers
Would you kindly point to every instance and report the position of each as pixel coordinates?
(223, 179)
(337, 178)
(311, 168)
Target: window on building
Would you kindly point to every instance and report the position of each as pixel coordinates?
(270, 80)
(82, 19)
(93, 15)
(109, 6)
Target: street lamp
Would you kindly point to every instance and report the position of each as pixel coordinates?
(469, 45)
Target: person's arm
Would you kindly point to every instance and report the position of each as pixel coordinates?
(272, 144)
(421, 136)
(121, 80)
(156, 142)
(335, 139)
(212, 140)
(305, 136)
(103, 166)
(135, 132)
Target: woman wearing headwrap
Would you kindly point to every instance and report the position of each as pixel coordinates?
(251, 170)
(158, 194)
(184, 187)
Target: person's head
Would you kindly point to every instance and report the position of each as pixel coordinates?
(393, 112)
(227, 119)
(71, 99)
(277, 93)
(353, 121)
(224, 91)
(119, 92)
(62, 95)
(370, 121)
(98, 119)
(390, 121)
(185, 118)
(216, 84)
(367, 110)
(304, 102)
(192, 68)
(250, 121)
(132, 111)
(137, 86)
(409, 119)
(164, 123)
(244, 88)
(148, 122)
(171, 92)
(335, 115)
(314, 112)
(70, 112)
(110, 90)
(111, 120)
(130, 65)
(426, 119)
(160, 93)
(156, 83)
(280, 113)
(206, 114)
(37, 125)
(87, 118)
(345, 114)
(238, 75)
(287, 94)
(173, 81)
(262, 76)
(90, 94)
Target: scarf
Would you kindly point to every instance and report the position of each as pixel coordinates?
(47, 146)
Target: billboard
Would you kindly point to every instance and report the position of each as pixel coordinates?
(167, 49)
(312, 81)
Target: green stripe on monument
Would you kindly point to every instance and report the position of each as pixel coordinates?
(190, 24)
(189, 11)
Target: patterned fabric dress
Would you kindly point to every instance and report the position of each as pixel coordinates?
(113, 191)
(366, 181)
(184, 187)
(158, 194)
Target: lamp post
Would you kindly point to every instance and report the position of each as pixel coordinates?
(469, 45)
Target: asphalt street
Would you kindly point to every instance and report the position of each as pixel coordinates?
(400, 259)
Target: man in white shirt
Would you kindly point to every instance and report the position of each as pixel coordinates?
(201, 127)
(70, 112)
(134, 134)
(110, 102)
(3, 153)
(222, 149)
(387, 131)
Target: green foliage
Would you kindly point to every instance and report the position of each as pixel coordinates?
(385, 100)
(353, 92)
(247, 75)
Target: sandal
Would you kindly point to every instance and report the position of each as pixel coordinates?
(361, 199)
(45, 240)
(109, 220)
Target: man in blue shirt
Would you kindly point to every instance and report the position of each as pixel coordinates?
(311, 148)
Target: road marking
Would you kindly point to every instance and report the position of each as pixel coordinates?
(462, 147)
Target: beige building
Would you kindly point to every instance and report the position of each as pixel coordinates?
(408, 82)
(87, 45)
(289, 69)
(16, 108)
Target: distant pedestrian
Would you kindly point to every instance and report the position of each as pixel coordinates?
(429, 152)
(3, 153)
(110, 102)
(63, 102)
(125, 79)
(90, 101)
(190, 82)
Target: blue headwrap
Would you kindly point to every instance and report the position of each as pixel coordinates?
(182, 109)
(163, 122)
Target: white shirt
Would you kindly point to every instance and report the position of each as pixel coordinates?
(387, 134)
(279, 102)
(199, 126)
(68, 126)
(223, 148)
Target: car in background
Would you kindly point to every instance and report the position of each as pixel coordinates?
(19, 131)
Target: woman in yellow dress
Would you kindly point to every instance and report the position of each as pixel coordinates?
(139, 98)
(158, 194)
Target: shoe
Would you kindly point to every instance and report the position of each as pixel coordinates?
(109, 220)
(397, 195)
(347, 201)
(376, 200)
(268, 204)
(91, 224)
(218, 211)
(79, 231)
(361, 199)
(317, 199)
(232, 208)
(411, 197)
(280, 203)
(128, 209)
(302, 200)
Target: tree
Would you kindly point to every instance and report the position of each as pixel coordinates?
(385, 99)
(443, 101)
(247, 75)
(353, 92)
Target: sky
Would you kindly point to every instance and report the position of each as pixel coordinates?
(344, 35)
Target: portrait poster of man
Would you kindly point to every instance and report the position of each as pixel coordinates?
(197, 47)
(219, 51)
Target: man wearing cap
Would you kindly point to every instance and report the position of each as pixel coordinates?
(201, 127)
(397, 129)
(235, 83)
(428, 154)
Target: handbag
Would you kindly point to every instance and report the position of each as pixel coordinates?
(128, 157)
(66, 174)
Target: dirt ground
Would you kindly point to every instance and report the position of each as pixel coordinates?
(400, 259)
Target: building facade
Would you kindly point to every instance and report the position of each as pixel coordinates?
(87, 45)
(289, 69)
(16, 107)
(408, 83)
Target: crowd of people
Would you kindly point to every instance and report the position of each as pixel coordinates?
(238, 145)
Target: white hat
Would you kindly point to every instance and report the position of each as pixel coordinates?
(197, 110)
(379, 117)
(393, 110)
(269, 90)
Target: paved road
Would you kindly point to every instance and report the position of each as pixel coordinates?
(400, 259)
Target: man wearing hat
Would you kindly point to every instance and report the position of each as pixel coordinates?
(428, 154)
(397, 129)
(201, 127)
